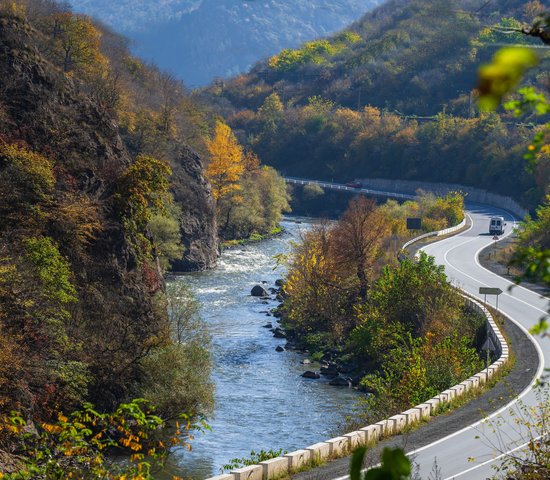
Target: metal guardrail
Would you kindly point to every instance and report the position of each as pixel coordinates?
(338, 186)
(391, 189)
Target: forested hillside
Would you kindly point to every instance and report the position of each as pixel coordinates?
(82, 306)
(392, 96)
(239, 33)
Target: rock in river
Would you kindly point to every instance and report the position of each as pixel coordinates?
(340, 382)
(258, 291)
(279, 333)
(279, 349)
(310, 374)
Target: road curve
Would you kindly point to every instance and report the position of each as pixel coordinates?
(463, 454)
(471, 453)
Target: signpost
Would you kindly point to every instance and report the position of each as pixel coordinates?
(490, 291)
(414, 224)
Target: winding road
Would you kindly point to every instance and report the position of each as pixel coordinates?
(473, 451)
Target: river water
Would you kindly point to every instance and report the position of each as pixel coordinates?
(261, 401)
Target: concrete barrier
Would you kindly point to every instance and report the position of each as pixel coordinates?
(225, 476)
(372, 433)
(275, 467)
(253, 472)
(298, 459)
(319, 451)
(412, 415)
(355, 439)
(399, 422)
(424, 410)
(338, 446)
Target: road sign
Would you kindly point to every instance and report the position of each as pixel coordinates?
(489, 291)
(414, 224)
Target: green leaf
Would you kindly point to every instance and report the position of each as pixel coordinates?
(357, 463)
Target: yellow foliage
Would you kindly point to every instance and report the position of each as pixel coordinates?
(78, 41)
(226, 165)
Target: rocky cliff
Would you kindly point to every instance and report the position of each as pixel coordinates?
(198, 223)
(82, 340)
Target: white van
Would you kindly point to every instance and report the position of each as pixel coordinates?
(496, 226)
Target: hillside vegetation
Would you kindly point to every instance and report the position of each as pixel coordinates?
(398, 329)
(392, 96)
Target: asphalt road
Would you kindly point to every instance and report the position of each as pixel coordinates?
(471, 452)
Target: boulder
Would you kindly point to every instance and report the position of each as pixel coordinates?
(329, 370)
(258, 291)
(268, 325)
(279, 349)
(306, 361)
(310, 374)
(340, 382)
(279, 333)
(279, 282)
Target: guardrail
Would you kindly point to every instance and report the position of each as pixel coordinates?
(393, 189)
(438, 233)
(342, 445)
(337, 186)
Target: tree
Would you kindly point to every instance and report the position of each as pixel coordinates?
(226, 166)
(358, 237)
(78, 41)
(143, 191)
(165, 231)
(271, 112)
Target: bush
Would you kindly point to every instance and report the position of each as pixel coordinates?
(177, 374)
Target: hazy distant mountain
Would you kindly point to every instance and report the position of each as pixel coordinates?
(202, 39)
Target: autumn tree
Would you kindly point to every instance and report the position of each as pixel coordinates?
(358, 237)
(78, 43)
(226, 162)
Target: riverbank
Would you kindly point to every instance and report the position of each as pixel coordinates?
(261, 400)
(519, 377)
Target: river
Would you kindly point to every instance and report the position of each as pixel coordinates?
(261, 401)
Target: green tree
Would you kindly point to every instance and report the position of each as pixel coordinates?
(271, 112)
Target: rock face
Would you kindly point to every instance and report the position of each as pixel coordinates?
(198, 224)
(47, 112)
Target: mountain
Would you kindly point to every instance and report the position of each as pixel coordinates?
(393, 96)
(81, 143)
(199, 40)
